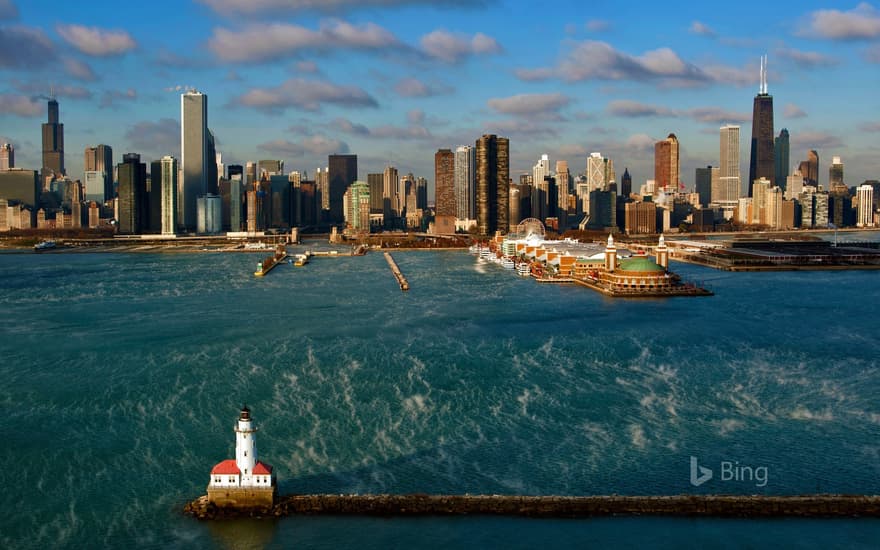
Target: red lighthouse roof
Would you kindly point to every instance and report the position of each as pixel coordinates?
(262, 469)
(227, 467)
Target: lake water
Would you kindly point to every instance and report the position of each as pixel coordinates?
(123, 375)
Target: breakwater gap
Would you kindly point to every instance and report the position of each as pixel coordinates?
(745, 506)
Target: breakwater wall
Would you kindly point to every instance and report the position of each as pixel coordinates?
(401, 280)
(554, 506)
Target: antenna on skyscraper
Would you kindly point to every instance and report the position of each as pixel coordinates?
(52, 92)
(763, 88)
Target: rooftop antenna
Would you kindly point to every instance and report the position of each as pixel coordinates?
(52, 92)
(763, 89)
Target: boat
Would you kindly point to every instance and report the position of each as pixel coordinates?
(44, 245)
(301, 260)
(507, 263)
(523, 269)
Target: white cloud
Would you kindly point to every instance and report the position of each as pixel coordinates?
(413, 87)
(39, 89)
(20, 105)
(8, 10)
(155, 138)
(633, 109)
(529, 104)
(264, 42)
(815, 139)
(25, 48)
(453, 47)
(597, 25)
(702, 29)
(96, 41)
(309, 67)
(806, 59)
(253, 7)
(861, 22)
(309, 95)
(317, 145)
(112, 97)
(870, 127)
(79, 69)
(793, 111)
(714, 115)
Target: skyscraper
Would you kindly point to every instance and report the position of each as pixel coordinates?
(781, 157)
(703, 185)
(167, 179)
(865, 217)
(100, 159)
(835, 175)
(444, 191)
(132, 194)
(7, 156)
(343, 172)
(492, 183)
(563, 190)
(357, 197)
(377, 187)
(194, 157)
(761, 162)
(666, 166)
(596, 172)
(391, 208)
(730, 185)
(465, 193)
(53, 143)
(626, 184)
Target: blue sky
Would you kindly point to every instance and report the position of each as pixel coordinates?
(394, 80)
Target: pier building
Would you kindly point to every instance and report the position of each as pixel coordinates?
(243, 482)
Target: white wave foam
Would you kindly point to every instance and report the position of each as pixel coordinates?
(803, 413)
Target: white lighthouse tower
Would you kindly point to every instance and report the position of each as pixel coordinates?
(244, 482)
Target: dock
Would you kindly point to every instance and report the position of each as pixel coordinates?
(270, 262)
(716, 506)
(401, 280)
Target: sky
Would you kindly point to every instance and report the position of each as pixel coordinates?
(394, 80)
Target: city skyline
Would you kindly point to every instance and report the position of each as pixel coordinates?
(298, 84)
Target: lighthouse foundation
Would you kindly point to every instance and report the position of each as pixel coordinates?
(242, 498)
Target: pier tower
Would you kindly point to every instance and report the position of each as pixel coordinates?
(244, 482)
(663, 254)
(610, 255)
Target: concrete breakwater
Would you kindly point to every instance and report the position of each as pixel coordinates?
(401, 280)
(553, 506)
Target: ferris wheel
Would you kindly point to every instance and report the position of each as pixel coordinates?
(530, 227)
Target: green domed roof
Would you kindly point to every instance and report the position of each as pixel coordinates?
(639, 263)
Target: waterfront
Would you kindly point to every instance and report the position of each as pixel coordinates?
(124, 372)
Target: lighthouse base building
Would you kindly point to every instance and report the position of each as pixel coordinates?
(244, 482)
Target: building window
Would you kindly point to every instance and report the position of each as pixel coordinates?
(245, 453)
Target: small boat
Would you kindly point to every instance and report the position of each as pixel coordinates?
(507, 263)
(301, 260)
(44, 245)
(523, 269)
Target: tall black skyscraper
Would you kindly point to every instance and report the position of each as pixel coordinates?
(53, 143)
(343, 172)
(762, 163)
(133, 209)
(626, 184)
(782, 157)
(493, 184)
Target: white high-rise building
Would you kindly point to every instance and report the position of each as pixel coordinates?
(794, 185)
(865, 194)
(540, 170)
(729, 182)
(596, 172)
(94, 183)
(168, 185)
(193, 155)
(465, 191)
(391, 199)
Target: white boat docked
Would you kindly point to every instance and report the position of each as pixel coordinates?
(507, 263)
(523, 269)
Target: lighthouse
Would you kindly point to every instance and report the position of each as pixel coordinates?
(610, 255)
(662, 253)
(244, 482)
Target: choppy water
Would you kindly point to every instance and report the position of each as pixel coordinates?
(122, 376)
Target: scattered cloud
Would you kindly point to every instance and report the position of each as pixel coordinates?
(317, 145)
(870, 127)
(309, 67)
(872, 54)
(254, 7)
(79, 69)
(266, 42)
(413, 87)
(309, 95)
(96, 41)
(24, 47)
(535, 75)
(178, 88)
(233, 76)
(21, 105)
(634, 109)
(40, 89)
(861, 22)
(702, 29)
(454, 48)
(793, 111)
(529, 104)
(8, 10)
(806, 59)
(415, 116)
(815, 139)
(414, 130)
(167, 58)
(597, 25)
(112, 97)
(713, 115)
(156, 138)
(521, 127)
(572, 150)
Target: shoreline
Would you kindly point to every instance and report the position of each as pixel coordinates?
(562, 507)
